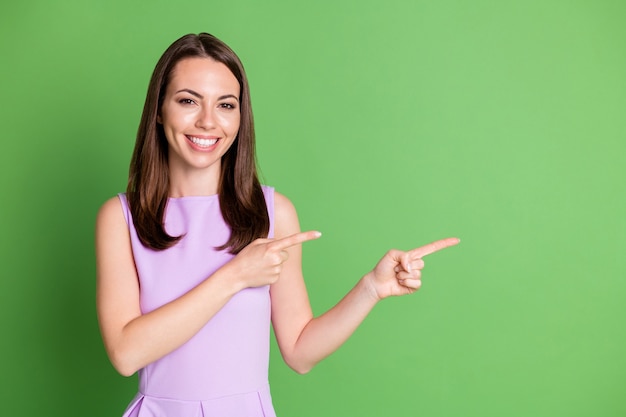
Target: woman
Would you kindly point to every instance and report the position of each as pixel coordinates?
(197, 257)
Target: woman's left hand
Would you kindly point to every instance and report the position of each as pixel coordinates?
(400, 272)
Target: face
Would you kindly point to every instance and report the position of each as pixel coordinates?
(200, 114)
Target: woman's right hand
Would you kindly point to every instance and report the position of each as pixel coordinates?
(261, 262)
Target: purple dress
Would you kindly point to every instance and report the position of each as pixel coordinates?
(222, 370)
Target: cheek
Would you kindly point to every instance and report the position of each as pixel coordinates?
(231, 123)
(236, 125)
(175, 118)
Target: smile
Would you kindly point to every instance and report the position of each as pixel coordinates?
(203, 143)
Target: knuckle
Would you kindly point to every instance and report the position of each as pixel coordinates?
(276, 258)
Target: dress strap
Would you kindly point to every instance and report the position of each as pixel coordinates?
(125, 207)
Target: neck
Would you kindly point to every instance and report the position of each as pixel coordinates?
(194, 182)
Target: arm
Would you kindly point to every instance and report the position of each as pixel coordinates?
(133, 340)
(304, 340)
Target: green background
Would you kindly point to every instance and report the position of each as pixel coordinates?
(388, 124)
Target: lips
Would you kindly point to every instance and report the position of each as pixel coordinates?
(201, 142)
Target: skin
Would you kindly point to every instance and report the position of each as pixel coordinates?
(201, 101)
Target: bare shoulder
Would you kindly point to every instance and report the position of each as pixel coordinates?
(110, 223)
(114, 260)
(111, 207)
(110, 212)
(285, 215)
(283, 205)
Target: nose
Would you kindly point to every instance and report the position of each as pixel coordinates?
(205, 118)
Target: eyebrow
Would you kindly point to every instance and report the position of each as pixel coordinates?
(200, 96)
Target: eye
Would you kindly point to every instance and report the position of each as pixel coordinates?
(228, 106)
(186, 101)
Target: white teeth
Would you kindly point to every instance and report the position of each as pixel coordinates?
(202, 142)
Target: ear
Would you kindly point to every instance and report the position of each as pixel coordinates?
(159, 120)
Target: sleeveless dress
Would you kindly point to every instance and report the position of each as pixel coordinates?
(223, 369)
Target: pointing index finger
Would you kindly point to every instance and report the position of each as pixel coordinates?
(295, 239)
(434, 247)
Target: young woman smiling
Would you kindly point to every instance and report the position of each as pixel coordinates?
(197, 257)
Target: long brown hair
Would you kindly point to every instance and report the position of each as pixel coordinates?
(240, 195)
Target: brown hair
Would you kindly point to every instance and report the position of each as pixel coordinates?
(240, 195)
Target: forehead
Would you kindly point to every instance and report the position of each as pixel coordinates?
(204, 75)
